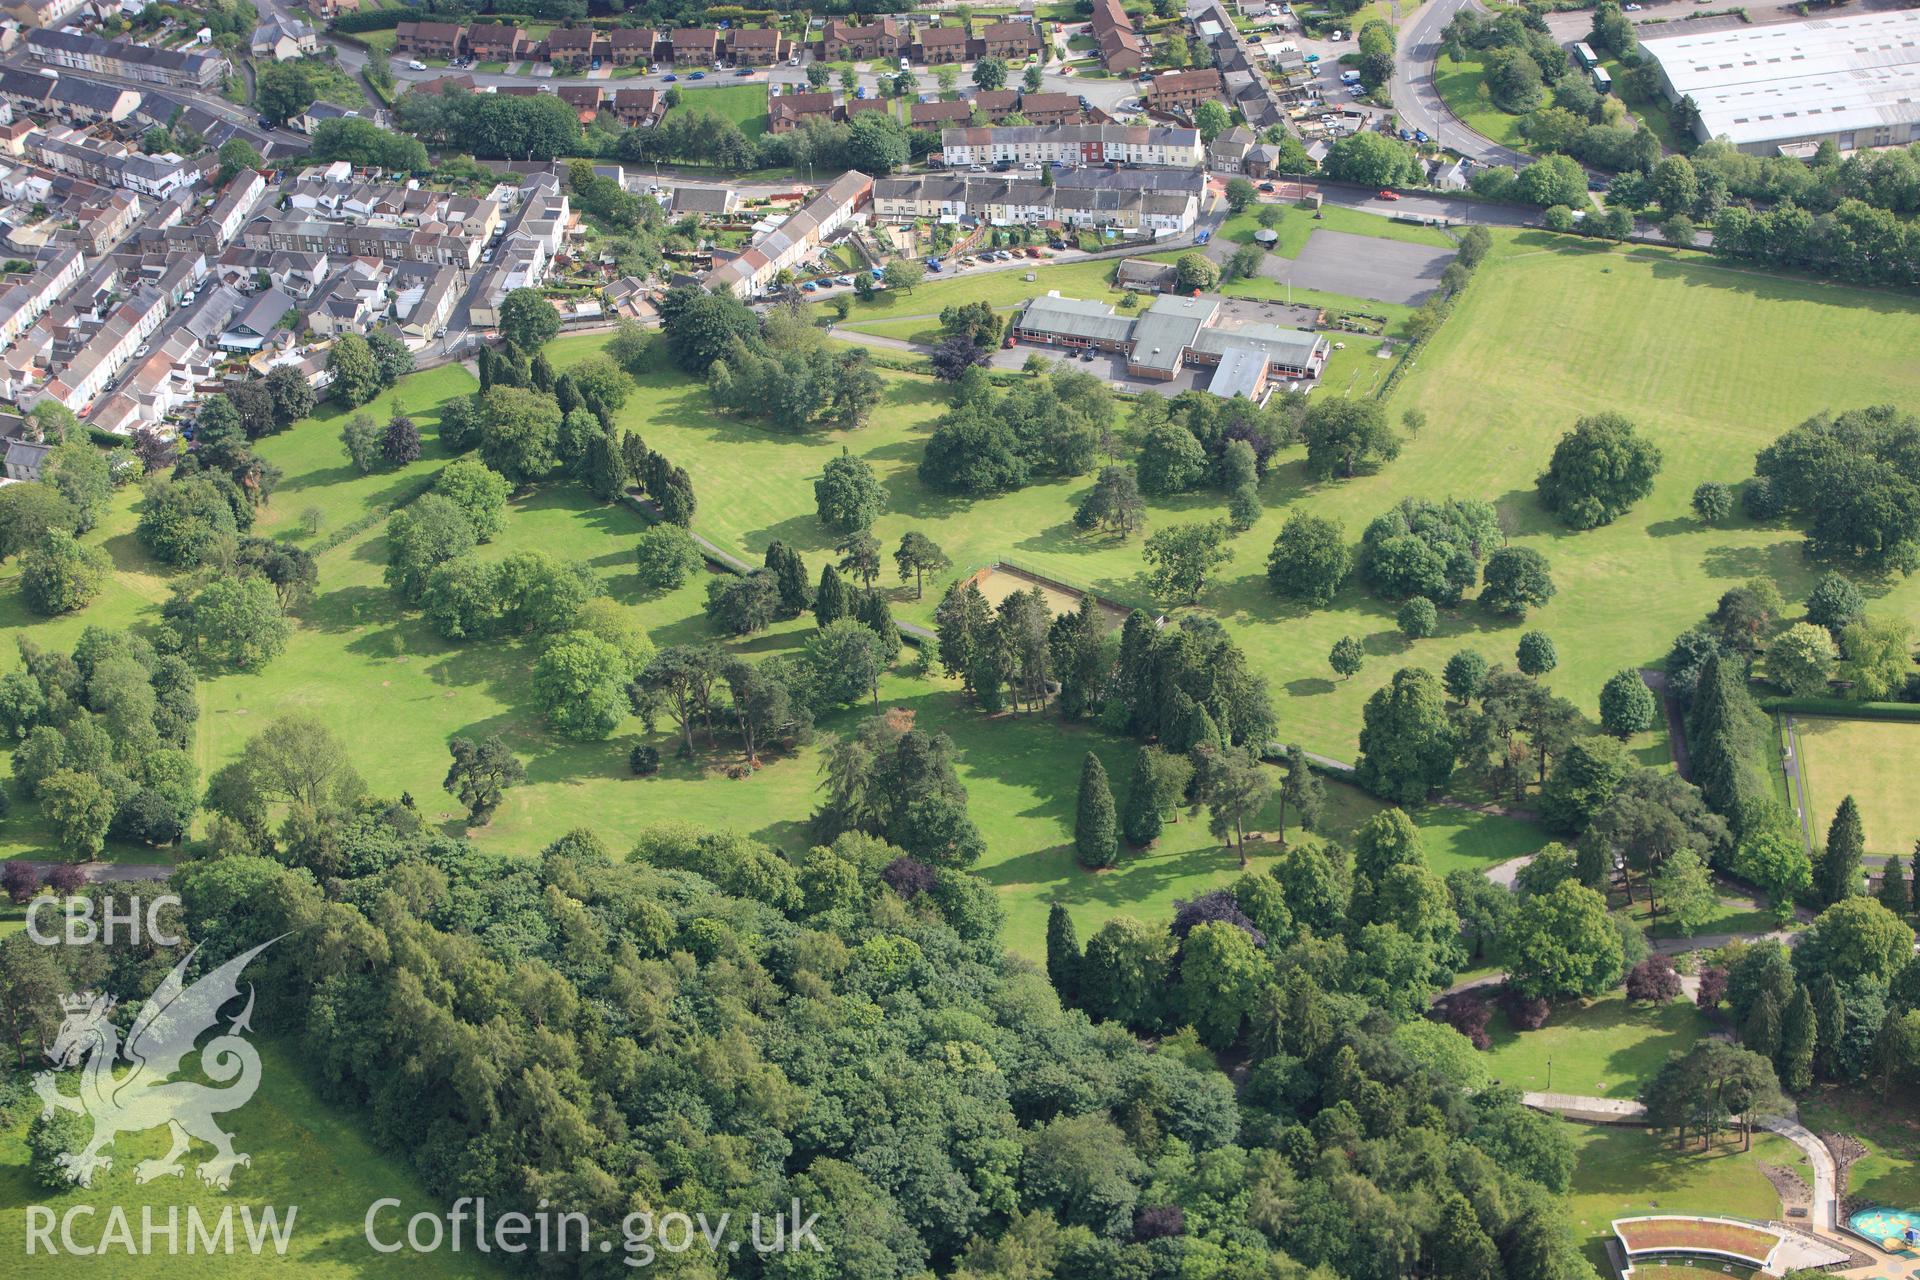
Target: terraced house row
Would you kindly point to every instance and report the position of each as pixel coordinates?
(71, 50)
(583, 46)
(1101, 199)
(885, 40)
(1074, 144)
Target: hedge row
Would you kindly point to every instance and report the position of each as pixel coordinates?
(1843, 709)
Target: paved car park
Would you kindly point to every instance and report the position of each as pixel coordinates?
(1363, 267)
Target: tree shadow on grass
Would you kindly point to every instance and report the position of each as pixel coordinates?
(1778, 560)
(350, 608)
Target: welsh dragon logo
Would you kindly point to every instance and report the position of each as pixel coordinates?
(143, 1098)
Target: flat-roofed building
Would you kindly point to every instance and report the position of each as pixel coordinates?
(1175, 333)
(1853, 81)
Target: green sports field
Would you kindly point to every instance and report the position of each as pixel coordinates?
(1871, 760)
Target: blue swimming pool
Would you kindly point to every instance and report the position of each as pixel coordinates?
(1879, 1226)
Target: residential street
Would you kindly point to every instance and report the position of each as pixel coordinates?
(1419, 102)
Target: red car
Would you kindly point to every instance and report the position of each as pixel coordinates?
(1389, 195)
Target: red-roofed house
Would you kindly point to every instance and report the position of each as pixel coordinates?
(756, 46)
(631, 45)
(496, 42)
(695, 46)
(942, 44)
(430, 39)
(787, 111)
(1011, 40)
(844, 43)
(639, 108)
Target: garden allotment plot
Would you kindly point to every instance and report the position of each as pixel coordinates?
(1871, 760)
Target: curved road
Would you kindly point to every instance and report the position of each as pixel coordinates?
(1419, 102)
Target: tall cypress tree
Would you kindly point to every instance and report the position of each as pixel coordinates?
(790, 573)
(603, 469)
(1063, 955)
(484, 361)
(1303, 790)
(677, 501)
(540, 373)
(1133, 681)
(634, 452)
(1830, 1025)
(1462, 1250)
(1798, 1034)
(1095, 830)
(870, 607)
(832, 601)
(1838, 874)
(1761, 1032)
(1141, 820)
(1895, 895)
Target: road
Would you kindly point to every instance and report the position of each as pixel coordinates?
(1419, 102)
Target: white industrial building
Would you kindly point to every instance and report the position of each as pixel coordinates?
(1854, 81)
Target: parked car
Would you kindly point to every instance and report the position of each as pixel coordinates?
(1087, 356)
(416, 65)
(1389, 195)
(1406, 135)
(265, 123)
(794, 61)
(1267, 187)
(671, 79)
(1420, 135)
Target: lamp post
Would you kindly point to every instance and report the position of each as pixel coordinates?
(1549, 1075)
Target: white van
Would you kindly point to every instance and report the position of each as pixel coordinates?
(1349, 77)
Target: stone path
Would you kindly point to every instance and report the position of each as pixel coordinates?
(1626, 1111)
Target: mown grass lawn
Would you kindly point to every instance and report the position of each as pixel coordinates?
(1889, 1174)
(1604, 1048)
(744, 104)
(309, 1156)
(1551, 329)
(1626, 1172)
(373, 672)
(1869, 760)
(1462, 83)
